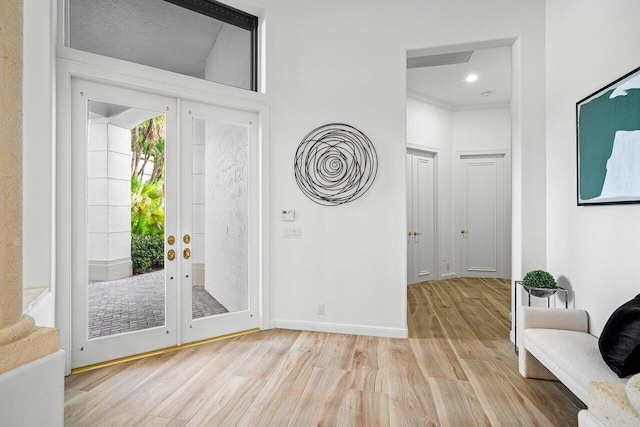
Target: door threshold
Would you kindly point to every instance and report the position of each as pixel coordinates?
(160, 351)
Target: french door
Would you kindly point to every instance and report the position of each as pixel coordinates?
(218, 220)
(164, 219)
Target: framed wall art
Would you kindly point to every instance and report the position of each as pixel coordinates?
(608, 134)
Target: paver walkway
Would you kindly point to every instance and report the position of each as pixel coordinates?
(136, 303)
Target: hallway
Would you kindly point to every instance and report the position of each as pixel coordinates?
(457, 368)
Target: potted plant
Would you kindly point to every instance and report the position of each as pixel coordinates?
(539, 283)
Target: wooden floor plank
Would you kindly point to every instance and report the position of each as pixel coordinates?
(223, 408)
(411, 400)
(365, 408)
(279, 397)
(457, 368)
(456, 403)
(501, 401)
(143, 397)
(197, 390)
(321, 399)
(153, 421)
(437, 359)
(262, 362)
(365, 374)
(337, 352)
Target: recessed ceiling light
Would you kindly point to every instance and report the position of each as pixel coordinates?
(485, 94)
(471, 78)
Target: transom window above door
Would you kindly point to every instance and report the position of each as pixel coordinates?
(199, 38)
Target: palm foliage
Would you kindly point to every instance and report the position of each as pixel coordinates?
(147, 207)
(147, 195)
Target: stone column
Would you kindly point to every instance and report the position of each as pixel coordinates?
(20, 340)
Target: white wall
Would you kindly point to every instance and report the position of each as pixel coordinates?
(38, 129)
(109, 201)
(594, 248)
(449, 132)
(482, 129)
(229, 61)
(346, 61)
(351, 68)
(430, 127)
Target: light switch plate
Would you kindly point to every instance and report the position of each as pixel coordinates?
(292, 232)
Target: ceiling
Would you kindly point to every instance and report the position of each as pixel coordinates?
(445, 85)
(149, 32)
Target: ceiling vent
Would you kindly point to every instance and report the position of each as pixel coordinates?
(436, 60)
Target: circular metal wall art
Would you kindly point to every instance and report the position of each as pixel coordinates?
(335, 164)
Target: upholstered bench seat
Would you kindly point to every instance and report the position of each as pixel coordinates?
(573, 357)
(556, 345)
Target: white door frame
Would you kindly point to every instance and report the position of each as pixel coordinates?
(155, 82)
(506, 155)
(415, 148)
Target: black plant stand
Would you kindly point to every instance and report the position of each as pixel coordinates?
(515, 305)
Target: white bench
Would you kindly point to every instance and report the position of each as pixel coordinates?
(556, 345)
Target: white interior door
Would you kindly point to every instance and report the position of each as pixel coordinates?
(481, 215)
(114, 312)
(421, 218)
(219, 221)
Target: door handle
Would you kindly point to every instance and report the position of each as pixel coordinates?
(186, 253)
(410, 233)
(186, 238)
(171, 255)
(416, 233)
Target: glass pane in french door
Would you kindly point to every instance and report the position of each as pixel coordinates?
(125, 218)
(220, 215)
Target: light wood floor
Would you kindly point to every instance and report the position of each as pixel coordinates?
(457, 368)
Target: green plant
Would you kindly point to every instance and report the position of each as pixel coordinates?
(147, 253)
(539, 279)
(147, 207)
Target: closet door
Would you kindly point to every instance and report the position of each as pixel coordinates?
(421, 217)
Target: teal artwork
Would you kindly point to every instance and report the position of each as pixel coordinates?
(608, 126)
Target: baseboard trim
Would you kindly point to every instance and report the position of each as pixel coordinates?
(341, 328)
(447, 276)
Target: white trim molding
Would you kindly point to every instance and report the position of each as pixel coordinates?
(342, 328)
(422, 148)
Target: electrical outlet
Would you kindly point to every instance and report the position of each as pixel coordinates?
(320, 309)
(292, 232)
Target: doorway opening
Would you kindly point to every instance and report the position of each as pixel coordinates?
(459, 105)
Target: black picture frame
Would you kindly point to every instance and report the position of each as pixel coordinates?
(608, 143)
